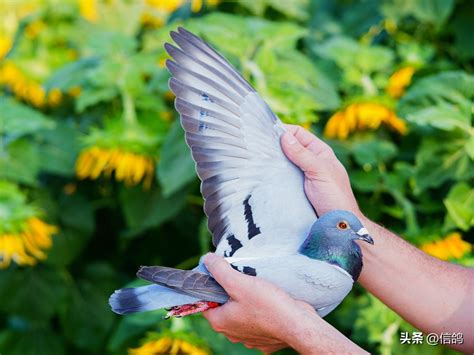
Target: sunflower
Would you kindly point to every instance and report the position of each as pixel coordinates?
(167, 345)
(88, 10)
(399, 81)
(27, 246)
(5, 45)
(128, 167)
(362, 116)
(27, 89)
(450, 247)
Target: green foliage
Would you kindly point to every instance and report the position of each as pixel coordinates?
(460, 205)
(307, 58)
(13, 208)
(176, 167)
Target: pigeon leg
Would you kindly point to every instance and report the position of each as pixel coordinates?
(188, 309)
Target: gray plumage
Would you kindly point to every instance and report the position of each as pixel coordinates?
(258, 213)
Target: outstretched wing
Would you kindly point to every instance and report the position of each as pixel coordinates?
(253, 194)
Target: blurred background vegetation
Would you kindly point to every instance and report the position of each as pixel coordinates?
(95, 178)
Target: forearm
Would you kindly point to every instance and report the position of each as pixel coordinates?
(308, 333)
(433, 295)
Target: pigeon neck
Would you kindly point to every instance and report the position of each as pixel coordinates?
(346, 257)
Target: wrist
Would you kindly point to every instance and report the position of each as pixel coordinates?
(300, 331)
(311, 334)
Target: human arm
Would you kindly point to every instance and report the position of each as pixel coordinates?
(262, 316)
(433, 295)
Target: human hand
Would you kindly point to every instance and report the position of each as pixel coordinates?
(262, 316)
(258, 314)
(326, 182)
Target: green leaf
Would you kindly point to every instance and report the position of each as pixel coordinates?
(460, 205)
(20, 162)
(442, 117)
(72, 74)
(176, 167)
(437, 163)
(147, 209)
(294, 94)
(374, 152)
(453, 90)
(366, 181)
(433, 12)
(92, 96)
(444, 102)
(339, 49)
(373, 58)
(297, 9)
(51, 150)
(14, 208)
(58, 149)
(377, 323)
(441, 105)
(242, 35)
(17, 119)
(35, 293)
(348, 54)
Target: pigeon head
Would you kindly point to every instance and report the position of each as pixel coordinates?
(332, 239)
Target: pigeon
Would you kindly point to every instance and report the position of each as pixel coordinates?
(260, 218)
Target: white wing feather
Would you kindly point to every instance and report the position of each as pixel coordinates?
(253, 194)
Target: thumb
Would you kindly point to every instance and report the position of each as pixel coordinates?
(301, 156)
(231, 280)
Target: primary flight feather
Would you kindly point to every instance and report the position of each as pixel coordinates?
(258, 213)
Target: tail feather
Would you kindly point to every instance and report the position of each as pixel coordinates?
(147, 298)
(190, 282)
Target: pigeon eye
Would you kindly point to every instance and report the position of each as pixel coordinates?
(342, 225)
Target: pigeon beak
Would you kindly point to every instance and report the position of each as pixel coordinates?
(363, 234)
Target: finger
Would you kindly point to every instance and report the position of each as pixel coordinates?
(303, 136)
(232, 280)
(304, 158)
(308, 139)
(215, 317)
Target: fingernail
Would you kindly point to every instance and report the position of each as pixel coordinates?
(290, 139)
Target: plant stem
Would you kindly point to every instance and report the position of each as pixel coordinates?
(368, 85)
(129, 113)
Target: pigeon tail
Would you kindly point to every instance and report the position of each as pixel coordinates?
(147, 298)
(194, 283)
